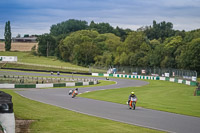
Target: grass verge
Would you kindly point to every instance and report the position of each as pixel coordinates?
(51, 119)
(27, 57)
(158, 95)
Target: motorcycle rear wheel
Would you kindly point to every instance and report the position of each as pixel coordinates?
(73, 96)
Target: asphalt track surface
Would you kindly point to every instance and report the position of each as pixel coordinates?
(164, 121)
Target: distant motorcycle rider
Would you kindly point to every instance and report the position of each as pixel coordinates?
(131, 95)
(72, 92)
(76, 90)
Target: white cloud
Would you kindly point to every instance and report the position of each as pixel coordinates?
(182, 3)
(36, 17)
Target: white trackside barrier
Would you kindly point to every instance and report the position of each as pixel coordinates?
(176, 80)
(7, 121)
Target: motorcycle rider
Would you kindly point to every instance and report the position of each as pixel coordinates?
(71, 92)
(76, 90)
(131, 95)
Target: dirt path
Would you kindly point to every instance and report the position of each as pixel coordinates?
(22, 126)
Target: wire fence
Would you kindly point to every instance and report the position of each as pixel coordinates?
(165, 72)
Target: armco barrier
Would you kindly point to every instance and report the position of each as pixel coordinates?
(7, 86)
(176, 80)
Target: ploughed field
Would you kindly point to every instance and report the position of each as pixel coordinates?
(18, 46)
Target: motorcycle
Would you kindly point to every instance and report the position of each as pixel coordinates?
(73, 93)
(132, 103)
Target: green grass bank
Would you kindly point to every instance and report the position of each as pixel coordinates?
(158, 95)
(51, 119)
(48, 64)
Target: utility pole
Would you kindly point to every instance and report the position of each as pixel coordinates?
(47, 48)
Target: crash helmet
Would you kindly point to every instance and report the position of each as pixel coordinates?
(132, 93)
(76, 89)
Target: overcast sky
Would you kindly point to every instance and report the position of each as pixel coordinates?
(37, 16)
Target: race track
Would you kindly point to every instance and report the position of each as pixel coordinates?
(142, 117)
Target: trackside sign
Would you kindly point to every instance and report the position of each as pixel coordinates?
(8, 58)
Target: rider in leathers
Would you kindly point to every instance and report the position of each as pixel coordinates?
(131, 95)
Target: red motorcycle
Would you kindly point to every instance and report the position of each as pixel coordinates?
(73, 92)
(132, 103)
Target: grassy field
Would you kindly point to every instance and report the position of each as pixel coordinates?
(158, 95)
(51, 119)
(27, 57)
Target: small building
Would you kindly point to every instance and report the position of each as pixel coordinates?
(24, 39)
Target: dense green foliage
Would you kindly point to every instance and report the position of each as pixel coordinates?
(47, 45)
(158, 45)
(160, 31)
(67, 27)
(7, 35)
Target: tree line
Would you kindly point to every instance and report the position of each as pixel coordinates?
(157, 45)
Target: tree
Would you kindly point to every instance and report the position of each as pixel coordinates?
(137, 47)
(7, 36)
(112, 42)
(26, 35)
(79, 47)
(46, 45)
(134, 40)
(101, 27)
(107, 45)
(160, 30)
(171, 46)
(121, 33)
(189, 58)
(67, 27)
(123, 59)
(84, 53)
(156, 55)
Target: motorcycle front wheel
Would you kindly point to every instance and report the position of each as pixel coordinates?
(133, 104)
